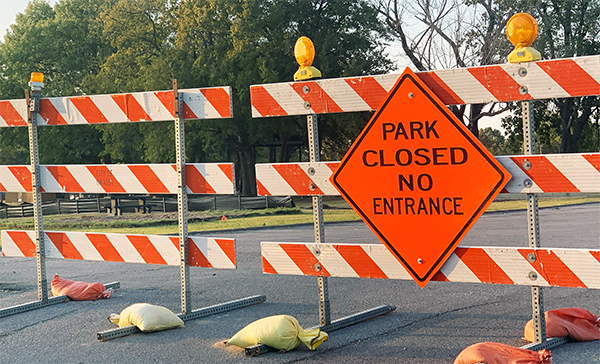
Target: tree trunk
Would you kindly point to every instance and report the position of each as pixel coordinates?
(474, 112)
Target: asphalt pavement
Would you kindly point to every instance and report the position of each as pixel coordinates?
(429, 326)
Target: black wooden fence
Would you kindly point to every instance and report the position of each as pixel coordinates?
(156, 204)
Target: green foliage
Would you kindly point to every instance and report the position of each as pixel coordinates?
(546, 126)
(115, 46)
(494, 141)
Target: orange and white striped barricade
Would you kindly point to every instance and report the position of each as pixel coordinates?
(127, 248)
(179, 178)
(570, 77)
(199, 103)
(495, 265)
(579, 76)
(566, 173)
(202, 178)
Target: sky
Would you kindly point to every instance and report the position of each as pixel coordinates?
(10, 8)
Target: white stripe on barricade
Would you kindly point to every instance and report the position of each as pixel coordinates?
(201, 103)
(530, 174)
(128, 248)
(205, 178)
(494, 265)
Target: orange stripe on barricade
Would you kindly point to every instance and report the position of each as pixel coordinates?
(131, 107)
(368, 89)
(88, 109)
(571, 77)
(49, 112)
(264, 103)
(196, 182)
(320, 101)
(146, 249)
(552, 269)
(484, 267)
(267, 267)
(440, 88)
(166, 98)
(219, 99)
(10, 115)
(498, 83)
(196, 257)
(228, 247)
(65, 179)
(298, 180)
(148, 179)
(594, 160)
(104, 247)
(64, 245)
(23, 242)
(304, 259)
(261, 190)
(228, 170)
(360, 261)
(23, 176)
(545, 174)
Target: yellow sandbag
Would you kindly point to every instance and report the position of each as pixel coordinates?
(147, 317)
(281, 332)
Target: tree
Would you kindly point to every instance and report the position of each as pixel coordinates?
(494, 141)
(567, 29)
(64, 43)
(142, 45)
(240, 43)
(436, 34)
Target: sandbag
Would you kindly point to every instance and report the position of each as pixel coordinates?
(496, 353)
(577, 323)
(79, 291)
(147, 317)
(282, 332)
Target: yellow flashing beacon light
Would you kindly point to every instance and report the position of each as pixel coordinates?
(521, 31)
(36, 82)
(304, 51)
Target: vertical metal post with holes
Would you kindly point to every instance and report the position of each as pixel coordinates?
(533, 226)
(317, 206)
(33, 107)
(182, 203)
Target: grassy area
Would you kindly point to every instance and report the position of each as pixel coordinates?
(165, 223)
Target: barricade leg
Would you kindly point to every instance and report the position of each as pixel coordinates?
(24, 307)
(195, 314)
(335, 325)
(324, 304)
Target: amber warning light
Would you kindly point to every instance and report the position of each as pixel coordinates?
(304, 51)
(521, 31)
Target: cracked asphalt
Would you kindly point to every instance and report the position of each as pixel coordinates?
(429, 326)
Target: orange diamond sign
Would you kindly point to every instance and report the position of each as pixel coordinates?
(418, 178)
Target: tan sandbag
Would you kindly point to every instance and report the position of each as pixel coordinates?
(79, 291)
(577, 323)
(282, 332)
(496, 353)
(147, 317)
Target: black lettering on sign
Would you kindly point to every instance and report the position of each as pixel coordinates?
(424, 182)
(417, 206)
(420, 129)
(420, 156)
